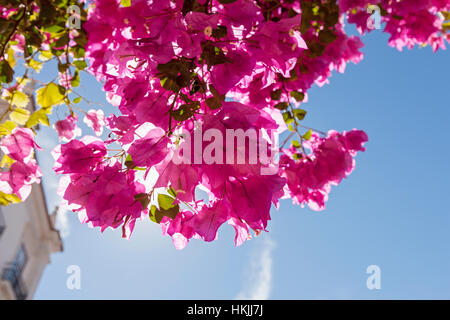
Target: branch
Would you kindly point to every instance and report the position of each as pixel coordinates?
(16, 24)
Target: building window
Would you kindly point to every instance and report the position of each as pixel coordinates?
(2, 222)
(13, 274)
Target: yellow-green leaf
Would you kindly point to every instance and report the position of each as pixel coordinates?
(307, 135)
(7, 199)
(125, 3)
(36, 65)
(11, 59)
(39, 116)
(45, 55)
(23, 81)
(49, 96)
(6, 127)
(19, 116)
(6, 161)
(20, 99)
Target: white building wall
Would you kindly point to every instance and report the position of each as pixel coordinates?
(30, 225)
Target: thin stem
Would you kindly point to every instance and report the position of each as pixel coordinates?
(287, 139)
(170, 113)
(16, 24)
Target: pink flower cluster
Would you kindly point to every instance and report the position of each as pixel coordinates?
(409, 22)
(331, 159)
(23, 172)
(237, 193)
(168, 66)
(177, 68)
(102, 193)
(68, 129)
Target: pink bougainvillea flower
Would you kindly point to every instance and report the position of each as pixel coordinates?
(67, 129)
(225, 76)
(180, 231)
(242, 230)
(19, 145)
(65, 80)
(151, 149)
(309, 179)
(19, 178)
(208, 220)
(105, 197)
(79, 156)
(95, 119)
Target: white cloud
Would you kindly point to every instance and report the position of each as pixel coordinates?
(62, 222)
(259, 284)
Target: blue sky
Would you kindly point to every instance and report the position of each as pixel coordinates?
(391, 212)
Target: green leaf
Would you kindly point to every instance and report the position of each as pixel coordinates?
(129, 162)
(62, 41)
(183, 113)
(62, 67)
(172, 192)
(171, 213)
(165, 202)
(166, 208)
(6, 73)
(299, 114)
(75, 81)
(78, 52)
(295, 144)
(282, 105)
(49, 96)
(293, 76)
(77, 100)
(216, 101)
(54, 29)
(173, 68)
(152, 214)
(169, 84)
(213, 103)
(28, 51)
(220, 32)
(143, 198)
(288, 118)
(298, 96)
(315, 49)
(80, 64)
(307, 135)
(81, 39)
(213, 55)
(276, 95)
(197, 86)
(327, 36)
